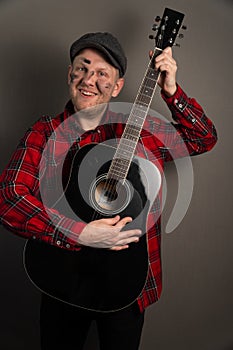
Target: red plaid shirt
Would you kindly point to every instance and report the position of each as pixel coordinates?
(22, 209)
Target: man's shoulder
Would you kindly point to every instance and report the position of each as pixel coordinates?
(46, 124)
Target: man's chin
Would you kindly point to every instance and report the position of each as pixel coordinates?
(90, 110)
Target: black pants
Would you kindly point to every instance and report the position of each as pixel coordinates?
(66, 327)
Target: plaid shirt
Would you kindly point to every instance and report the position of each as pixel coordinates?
(22, 208)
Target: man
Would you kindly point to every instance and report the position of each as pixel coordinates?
(96, 75)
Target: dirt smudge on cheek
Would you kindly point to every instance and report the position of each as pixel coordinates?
(103, 87)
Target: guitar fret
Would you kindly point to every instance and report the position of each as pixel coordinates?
(122, 161)
(127, 141)
(125, 153)
(131, 133)
(116, 170)
(115, 174)
(141, 106)
(134, 130)
(138, 111)
(144, 99)
(151, 76)
(132, 118)
(126, 149)
(119, 168)
(146, 93)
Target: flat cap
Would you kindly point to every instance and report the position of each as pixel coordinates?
(107, 44)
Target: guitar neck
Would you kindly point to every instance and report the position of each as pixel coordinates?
(142, 102)
(167, 33)
(128, 142)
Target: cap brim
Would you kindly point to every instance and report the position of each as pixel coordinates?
(81, 46)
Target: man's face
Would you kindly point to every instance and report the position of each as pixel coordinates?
(92, 80)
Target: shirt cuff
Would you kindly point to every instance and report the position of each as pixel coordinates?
(178, 104)
(176, 99)
(66, 235)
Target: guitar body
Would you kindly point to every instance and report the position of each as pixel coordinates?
(98, 279)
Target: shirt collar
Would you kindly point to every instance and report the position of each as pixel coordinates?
(70, 113)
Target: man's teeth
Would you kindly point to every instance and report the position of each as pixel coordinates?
(87, 93)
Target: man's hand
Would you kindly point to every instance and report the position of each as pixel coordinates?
(166, 64)
(106, 233)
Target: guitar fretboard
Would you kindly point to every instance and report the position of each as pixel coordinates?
(128, 142)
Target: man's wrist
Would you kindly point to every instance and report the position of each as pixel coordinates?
(171, 91)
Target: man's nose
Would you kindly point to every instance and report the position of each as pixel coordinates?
(89, 77)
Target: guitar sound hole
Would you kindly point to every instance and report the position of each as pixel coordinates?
(109, 196)
(106, 191)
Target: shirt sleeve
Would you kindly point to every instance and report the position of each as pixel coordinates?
(191, 127)
(22, 210)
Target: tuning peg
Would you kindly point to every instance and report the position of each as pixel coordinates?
(178, 45)
(184, 27)
(151, 36)
(155, 27)
(180, 36)
(157, 19)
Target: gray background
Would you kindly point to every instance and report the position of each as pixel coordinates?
(195, 311)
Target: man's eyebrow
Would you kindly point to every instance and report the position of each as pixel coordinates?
(82, 59)
(85, 60)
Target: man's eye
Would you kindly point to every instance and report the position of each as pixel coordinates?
(102, 74)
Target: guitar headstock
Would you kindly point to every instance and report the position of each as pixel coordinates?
(168, 28)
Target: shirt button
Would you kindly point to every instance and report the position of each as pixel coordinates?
(33, 237)
(58, 242)
(98, 130)
(68, 245)
(180, 105)
(193, 120)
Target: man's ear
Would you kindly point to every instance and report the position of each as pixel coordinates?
(69, 74)
(118, 87)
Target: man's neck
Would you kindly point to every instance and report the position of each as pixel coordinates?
(90, 118)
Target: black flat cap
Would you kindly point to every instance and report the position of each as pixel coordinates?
(105, 43)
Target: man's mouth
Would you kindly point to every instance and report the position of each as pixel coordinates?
(87, 93)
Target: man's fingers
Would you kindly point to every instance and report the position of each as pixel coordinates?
(120, 247)
(124, 243)
(128, 241)
(126, 237)
(123, 221)
(102, 223)
(168, 50)
(112, 221)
